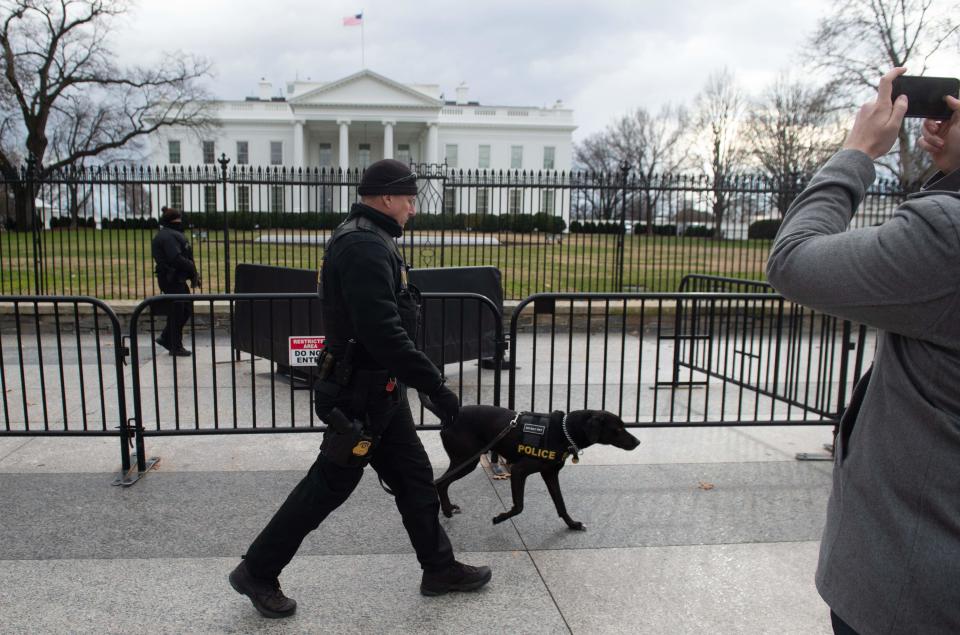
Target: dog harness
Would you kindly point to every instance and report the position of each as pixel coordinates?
(534, 438)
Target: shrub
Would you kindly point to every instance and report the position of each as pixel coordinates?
(523, 223)
(665, 230)
(764, 229)
(698, 231)
(549, 223)
(489, 223)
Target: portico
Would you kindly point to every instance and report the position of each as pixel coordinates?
(348, 142)
(363, 118)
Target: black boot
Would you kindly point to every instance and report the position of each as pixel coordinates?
(265, 595)
(456, 577)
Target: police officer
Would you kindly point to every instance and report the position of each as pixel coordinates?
(174, 266)
(371, 316)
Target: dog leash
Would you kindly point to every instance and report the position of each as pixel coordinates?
(451, 473)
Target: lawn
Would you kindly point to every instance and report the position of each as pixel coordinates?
(116, 264)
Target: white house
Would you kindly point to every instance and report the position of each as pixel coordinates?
(364, 117)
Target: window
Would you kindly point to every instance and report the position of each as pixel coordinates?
(176, 196)
(210, 198)
(173, 149)
(451, 155)
(549, 153)
(276, 153)
(326, 155)
(364, 155)
(276, 198)
(209, 154)
(243, 153)
(547, 201)
(483, 201)
(243, 198)
(403, 153)
(516, 157)
(483, 161)
(516, 201)
(449, 202)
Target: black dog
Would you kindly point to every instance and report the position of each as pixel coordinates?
(479, 425)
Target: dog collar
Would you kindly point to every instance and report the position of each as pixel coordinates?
(574, 450)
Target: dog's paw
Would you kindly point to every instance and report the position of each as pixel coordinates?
(450, 511)
(577, 526)
(499, 518)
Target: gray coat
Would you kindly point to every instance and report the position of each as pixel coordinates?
(890, 554)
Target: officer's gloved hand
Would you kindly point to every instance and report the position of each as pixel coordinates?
(444, 403)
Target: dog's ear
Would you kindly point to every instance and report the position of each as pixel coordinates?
(593, 427)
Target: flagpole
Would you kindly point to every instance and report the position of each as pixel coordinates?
(363, 63)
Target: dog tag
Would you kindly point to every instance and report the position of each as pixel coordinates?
(391, 384)
(575, 459)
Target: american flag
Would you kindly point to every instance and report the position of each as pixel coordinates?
(353, 20)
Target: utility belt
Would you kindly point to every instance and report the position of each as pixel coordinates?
(351, 440)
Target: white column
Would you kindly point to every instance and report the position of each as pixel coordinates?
(388, 139)
(433, 137)
(344, 143)
(345, 198)
(298, 161)
(298, 144)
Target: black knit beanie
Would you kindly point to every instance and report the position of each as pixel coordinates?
(387, 177)
(169, 214)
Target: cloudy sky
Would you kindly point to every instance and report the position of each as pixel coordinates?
(602, 58)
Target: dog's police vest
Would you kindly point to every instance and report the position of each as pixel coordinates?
(534, 436)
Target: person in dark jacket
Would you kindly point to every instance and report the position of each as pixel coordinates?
(890, 553)
(371, 316)
(174, 267)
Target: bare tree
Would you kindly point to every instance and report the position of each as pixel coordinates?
(651, 146)
(720, 108)
(648, 144)
(597, 191)
(65, 100)
(791, 131)
(863, 39)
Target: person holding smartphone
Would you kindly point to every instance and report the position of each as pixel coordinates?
(890, 552)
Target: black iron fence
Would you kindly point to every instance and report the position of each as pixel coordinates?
(89, 231)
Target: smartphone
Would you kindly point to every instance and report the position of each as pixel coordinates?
(925, 95)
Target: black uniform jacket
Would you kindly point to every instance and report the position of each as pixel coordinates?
(366, 297)
(173, 254)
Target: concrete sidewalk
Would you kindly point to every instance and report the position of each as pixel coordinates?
(710, 530)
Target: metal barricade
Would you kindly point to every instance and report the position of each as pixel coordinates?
(216, 390)
(61, 370)
(757, 359)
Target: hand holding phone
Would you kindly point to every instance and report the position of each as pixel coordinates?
(878, 122)
(941, 139)
(926, 95)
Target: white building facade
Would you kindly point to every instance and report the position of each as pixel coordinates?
(354, 121)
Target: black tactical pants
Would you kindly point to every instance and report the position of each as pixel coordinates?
(400, 460)
(178, 313)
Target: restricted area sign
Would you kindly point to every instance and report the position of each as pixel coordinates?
(305, 350)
